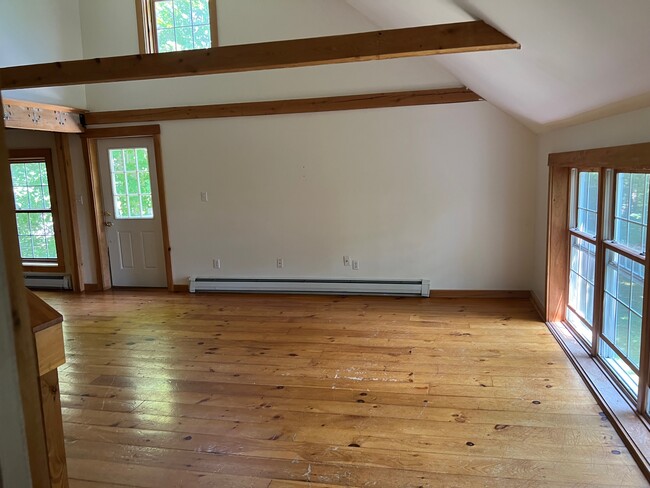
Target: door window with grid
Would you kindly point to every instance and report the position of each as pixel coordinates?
(131, 183)
(35, 207)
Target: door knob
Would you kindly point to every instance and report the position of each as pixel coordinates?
(108, 224)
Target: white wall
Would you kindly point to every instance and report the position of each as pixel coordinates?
(628, 128)
(436, 192)
(41, 31)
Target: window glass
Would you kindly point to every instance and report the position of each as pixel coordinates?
(581, 282)
(620, 368)
(33, 205)
(131, 183)
(182, 25)
(631, 210)
(587, 216)
(622, 314)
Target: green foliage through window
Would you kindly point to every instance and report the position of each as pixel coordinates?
(131, 182)
(182, 25)
(32, 200)
(631, 210)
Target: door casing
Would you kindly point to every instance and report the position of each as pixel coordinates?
(89, 142)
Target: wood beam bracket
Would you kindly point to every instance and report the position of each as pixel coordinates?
(18, 114)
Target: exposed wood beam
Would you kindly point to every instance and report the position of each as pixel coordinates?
(296, 106)
(108, 132)
(414, 41)
(19, 114)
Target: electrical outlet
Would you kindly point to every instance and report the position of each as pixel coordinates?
(355, 264)
(280, 263)
(216, 263)
(346, 260)
(204, 196)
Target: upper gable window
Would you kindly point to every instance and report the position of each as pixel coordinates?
(176, 25)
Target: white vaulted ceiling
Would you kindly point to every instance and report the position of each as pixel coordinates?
(580, 59)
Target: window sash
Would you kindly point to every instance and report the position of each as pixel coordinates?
(604, 242)
(42, 264)
(147, 31)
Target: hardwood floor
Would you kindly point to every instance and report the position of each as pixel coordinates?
(171, 390)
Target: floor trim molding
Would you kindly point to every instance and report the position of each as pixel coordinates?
(537, 303)
(479, 294)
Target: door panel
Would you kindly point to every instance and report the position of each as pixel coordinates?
(132, 212)
(150, 250)
(126, 249)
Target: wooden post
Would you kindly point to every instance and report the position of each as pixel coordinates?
(69, 202)
(23, 337)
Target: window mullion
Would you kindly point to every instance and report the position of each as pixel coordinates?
(644, 365)
(604, 181)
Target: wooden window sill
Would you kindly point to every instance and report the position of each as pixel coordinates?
(632, 427)
(43, 268)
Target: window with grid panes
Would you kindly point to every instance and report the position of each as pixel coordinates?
(36, 218)
(177, 25)
(608, 234)
(131, 182)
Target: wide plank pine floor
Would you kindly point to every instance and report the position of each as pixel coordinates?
(179, 390)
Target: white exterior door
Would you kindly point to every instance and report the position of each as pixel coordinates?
(132, 212)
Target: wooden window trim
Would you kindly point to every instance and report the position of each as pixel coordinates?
(21, 155)
(147, 38)
(634, 424)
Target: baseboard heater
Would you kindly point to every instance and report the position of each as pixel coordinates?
(55, 282)
(312, 286)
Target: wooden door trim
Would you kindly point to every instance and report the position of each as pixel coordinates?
(162, 201)
(91, 155)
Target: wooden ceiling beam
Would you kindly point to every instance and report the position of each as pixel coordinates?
(277, 107)
(19, 114)
(397, 43)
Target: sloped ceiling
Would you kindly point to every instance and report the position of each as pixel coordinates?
(580, 59)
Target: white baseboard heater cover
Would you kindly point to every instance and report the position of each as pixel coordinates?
(312, 286)
(56, 282)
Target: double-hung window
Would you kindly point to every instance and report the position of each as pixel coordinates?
(37, 220)
(176, 25)
(597, 261)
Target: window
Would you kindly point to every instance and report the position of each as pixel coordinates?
(131, 183)
(36, 213)
(176, 25)
(597, 258)
(609, 316)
